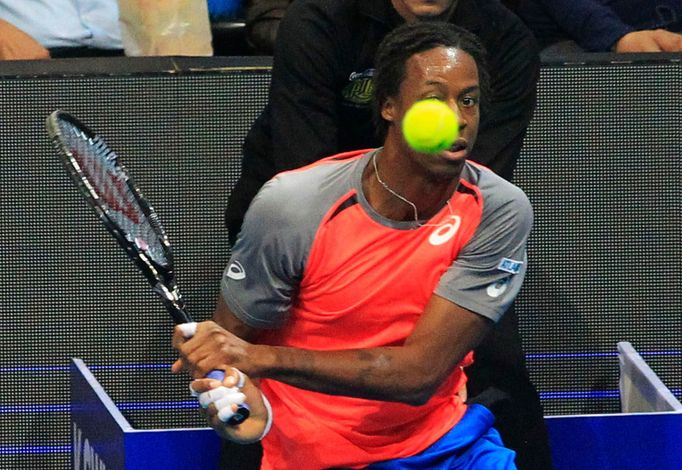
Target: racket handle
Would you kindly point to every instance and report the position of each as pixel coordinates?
(188, 330)
(242, 411)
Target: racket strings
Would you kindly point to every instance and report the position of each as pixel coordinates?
(108, 182)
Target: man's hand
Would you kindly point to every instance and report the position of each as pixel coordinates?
(210, 348)
(220, 402)
(17, 45)
(657, 40)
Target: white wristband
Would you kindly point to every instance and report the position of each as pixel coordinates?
(268, 423)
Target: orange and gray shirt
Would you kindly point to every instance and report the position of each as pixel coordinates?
(318, 268)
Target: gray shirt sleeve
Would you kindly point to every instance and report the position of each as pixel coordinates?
(268, 260)
(488, 273)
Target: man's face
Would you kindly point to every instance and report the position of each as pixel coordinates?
(449, 75)
(424, 10)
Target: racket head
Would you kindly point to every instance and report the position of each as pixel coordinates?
(116, 199)
(111, 192)
(108, 187)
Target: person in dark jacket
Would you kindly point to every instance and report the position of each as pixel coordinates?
(605, 25)
(263, 18)
(320, 104)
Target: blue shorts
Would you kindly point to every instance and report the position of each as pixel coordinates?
(472, 444)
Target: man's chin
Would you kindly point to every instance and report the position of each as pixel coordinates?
(438, 16)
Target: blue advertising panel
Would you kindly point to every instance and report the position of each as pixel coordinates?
(616, 441)
(103, 438)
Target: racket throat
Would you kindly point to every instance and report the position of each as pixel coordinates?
(173, 302)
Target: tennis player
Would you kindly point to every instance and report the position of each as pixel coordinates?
(360, 284)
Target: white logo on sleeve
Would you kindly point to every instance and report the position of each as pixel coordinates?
(445, 231)
(496, 289)
(236, 271)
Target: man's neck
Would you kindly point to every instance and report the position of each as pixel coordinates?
(397, 194)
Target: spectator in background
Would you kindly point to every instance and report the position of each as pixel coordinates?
(66, 28)
(263, 18)
(605, 25)
(319, 105)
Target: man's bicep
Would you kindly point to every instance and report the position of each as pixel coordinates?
(446, 333)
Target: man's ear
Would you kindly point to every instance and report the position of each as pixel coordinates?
(388, 110)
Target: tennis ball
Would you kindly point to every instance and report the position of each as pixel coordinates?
(430, 126)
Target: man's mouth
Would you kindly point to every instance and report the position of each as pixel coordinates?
(458, 146)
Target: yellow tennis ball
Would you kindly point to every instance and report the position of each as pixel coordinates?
(430, 126)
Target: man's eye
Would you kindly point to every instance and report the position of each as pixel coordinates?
(469, 101)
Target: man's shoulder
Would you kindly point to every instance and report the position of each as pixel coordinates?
(505, 206)
(296, 199)
(495, 190)
(314, 180)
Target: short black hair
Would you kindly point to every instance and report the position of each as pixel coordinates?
(410, 39)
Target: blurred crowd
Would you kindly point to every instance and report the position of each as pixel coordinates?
(39, 29)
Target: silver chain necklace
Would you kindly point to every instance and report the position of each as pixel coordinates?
(402, 198)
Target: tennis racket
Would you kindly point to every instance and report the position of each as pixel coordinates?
(119, 204)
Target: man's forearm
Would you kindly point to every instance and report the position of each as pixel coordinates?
(409, 374)
(389, 373)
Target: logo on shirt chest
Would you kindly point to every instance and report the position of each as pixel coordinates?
(445, 231)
